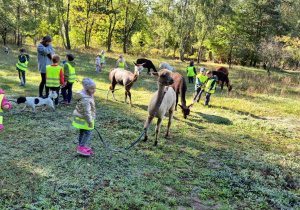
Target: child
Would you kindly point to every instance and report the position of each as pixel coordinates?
(21, 66)
(191, 72)
(200, 84)
(102, 59)
(6, 51)
(69, 78)
(54, 77)
(84, 115)
(98, 62)
(4, 105)
(210, 86)
(121, 63)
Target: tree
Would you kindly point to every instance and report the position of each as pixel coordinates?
(63, 12)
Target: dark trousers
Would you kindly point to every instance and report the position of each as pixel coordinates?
(43, 84)
(198, 91)
(191, 79)
(67, 96)
(22, 76)
(56, 89)
(207, 98)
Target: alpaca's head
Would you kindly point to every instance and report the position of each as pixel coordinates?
(165, 77)
(138, 68)
(185, 110)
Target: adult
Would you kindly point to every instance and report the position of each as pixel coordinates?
(45, 52)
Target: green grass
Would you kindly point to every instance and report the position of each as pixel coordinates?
(241, 153)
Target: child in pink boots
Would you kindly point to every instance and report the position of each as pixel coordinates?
(4, 105)
(84, 115)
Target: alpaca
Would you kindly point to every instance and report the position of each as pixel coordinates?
(180, 87)
(167, 103)
(166, 66)
(147, 64)
(223, 78)
(223, 70)
(126, 78)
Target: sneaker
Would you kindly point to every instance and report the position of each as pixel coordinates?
(87, 148)
(63, 101)
(57, 104)
(83, 151)
(22, 85)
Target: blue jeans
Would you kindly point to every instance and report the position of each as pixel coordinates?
(68, 96)
(207, 98)
(84, 137)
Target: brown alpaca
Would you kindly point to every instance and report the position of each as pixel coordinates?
(167, 104)
(180, 87)
(223, 70)
(123, 77)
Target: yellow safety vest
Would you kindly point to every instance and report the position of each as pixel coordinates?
(191, 72)
(72, 74)
(1, 111)
(208, 85)
(53, 76)
(103, 59)
(22, 66)
(202, 78)
(82, 124)
(121, 65)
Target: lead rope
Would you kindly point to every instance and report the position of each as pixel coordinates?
(134, 143)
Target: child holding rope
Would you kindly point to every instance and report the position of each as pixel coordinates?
(200, 84)
(84, 115)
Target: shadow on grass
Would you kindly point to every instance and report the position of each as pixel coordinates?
(215, 119)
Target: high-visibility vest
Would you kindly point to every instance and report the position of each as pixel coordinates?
(202, 78)
(191, 72)
(22, 66)
(82, 124)
(72, 74)
(53, 76)
(1, 111)
(103, 59)
(121, 65)
(208, 85)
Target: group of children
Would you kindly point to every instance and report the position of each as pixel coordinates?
(205, 81)
(64, 76)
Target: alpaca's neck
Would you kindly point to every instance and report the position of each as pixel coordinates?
(160, 93)
(182, 95)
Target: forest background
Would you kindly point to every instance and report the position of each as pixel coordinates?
(243, 32)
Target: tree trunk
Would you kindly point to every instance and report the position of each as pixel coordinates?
(67, 27)
(18, 23)
(229, 56)
(200, 48)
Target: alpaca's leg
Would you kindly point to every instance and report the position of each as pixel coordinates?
(222, 84)
(171, 112)
(176, 102)
(148, 120)
(129, 95)
(125, 96)
(157, 130)
(107, 94)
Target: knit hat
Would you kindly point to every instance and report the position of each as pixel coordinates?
(102, 51)
(202, 69)
(87, 83)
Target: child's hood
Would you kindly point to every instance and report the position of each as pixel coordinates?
(81, 94)
(72, 63)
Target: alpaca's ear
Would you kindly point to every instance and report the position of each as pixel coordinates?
(143, 64)
(134, 63)
(154, 73)
(190, 106)
(180, 106)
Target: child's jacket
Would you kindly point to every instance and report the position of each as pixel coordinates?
(3, 103)
(85, 108)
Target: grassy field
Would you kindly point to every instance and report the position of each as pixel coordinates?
(240, 153)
